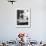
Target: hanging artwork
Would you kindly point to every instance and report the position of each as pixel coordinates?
(23, 17)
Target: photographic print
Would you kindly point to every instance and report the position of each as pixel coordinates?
(23, 17)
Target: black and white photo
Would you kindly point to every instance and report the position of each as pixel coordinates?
(23, 17)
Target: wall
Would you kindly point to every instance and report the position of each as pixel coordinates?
(8, 28)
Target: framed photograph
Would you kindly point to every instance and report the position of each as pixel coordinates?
(23, 17)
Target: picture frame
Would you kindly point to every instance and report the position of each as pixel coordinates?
(23, 17)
